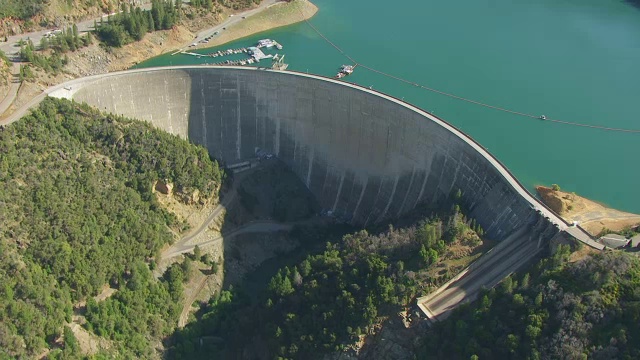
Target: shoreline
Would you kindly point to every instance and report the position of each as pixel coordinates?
(275, 15)
(95, 59)
(593, 216)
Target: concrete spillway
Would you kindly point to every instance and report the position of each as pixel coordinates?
(365, 156)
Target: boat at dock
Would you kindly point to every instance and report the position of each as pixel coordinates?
(265, 43)
(255, 54)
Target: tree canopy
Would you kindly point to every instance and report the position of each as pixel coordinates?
(560, 310)
(78, 213)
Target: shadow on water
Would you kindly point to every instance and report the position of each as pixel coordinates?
(634, 3)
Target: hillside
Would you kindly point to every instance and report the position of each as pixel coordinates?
(21, 16)
(337, 295)
(560, 310)
(77, 212)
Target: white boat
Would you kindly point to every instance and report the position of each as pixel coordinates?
(266, 43)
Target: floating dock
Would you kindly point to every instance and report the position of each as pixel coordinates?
(254, 52)
(257, 54)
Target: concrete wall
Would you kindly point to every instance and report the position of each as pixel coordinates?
(366, 156)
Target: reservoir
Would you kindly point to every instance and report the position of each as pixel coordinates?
(570, 60)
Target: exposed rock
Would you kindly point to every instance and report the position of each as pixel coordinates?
(164, 187)
(190, 198)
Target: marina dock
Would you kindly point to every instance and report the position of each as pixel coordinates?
(254, 52)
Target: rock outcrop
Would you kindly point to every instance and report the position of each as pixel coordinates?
(164, 187)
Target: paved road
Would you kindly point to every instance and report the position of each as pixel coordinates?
(487, 272)
(19, 113)
(236, 18)
(11, 47)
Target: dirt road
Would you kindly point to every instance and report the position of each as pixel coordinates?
(13, 89)
(183, 247)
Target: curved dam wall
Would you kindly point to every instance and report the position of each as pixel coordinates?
(365, 156)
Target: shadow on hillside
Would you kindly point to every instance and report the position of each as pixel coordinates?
(269, 206)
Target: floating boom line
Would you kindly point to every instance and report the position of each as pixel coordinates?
(453, 96)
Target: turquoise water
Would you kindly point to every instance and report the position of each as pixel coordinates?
(571, 60)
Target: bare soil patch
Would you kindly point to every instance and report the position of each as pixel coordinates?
(592, 216)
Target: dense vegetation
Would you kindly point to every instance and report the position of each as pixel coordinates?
(66, 41)
(53, 63)
(141, 310)
(133, 23)
(77, 212)
(328, 299)
(561, 310)
(21, 9)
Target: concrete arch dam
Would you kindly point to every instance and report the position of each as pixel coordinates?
(366, 156)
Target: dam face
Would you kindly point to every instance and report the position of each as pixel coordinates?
(365, 156)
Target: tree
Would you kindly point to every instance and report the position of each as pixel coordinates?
(555, 187)
(512, 343)
(305, 267)
(44, 43)
(70, 341)
(187, 267)
(538, 300)
(197, 253)
(297, 278)
(524, 284)
(370, 311)
(76, 36)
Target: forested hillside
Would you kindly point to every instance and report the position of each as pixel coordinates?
(327, 301)
(28, 9)
(21, 9)
(77, 212)
(589, 309)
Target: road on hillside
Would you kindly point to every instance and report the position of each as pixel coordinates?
(11, 48)
(254, 227)
(236, 18)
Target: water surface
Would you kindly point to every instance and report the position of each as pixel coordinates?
(568, 59)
